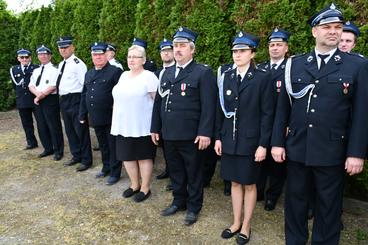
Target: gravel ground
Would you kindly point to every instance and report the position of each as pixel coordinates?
(43, 202)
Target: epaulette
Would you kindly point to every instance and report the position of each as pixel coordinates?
(76, 60)
(55, 66)
(260, 69)
(357, 55)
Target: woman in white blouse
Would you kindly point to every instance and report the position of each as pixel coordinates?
(131, 120)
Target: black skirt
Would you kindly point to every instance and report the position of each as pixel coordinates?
(241, 169)
(134, 148)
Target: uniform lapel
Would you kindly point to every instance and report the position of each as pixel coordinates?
(247, 78)
(170, 74)
(231, 84)
(332, 64)
(311, 65)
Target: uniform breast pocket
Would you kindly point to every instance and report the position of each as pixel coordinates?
(299, 83)
(340, 85)
(190, 87)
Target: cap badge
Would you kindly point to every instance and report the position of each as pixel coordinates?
(240, 34)
(347, 23)
(337, 57)
(180, 28)
(310, 58)
(134, 39)
(165, 40)
(276, 30)
(332, 6)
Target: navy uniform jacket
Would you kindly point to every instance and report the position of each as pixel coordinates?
(24, 98)
(277, 76)
(190, 108)
(254, 105)
(335, 125)
(97, 100)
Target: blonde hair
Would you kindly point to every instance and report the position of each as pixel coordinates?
(140, 49)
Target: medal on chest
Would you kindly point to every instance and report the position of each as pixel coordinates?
(278, 86)
(183, 87)
(346, 86)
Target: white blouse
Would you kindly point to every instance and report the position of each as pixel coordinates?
(132, 111)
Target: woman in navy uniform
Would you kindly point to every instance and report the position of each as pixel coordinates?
(243, 130)
(21, 75)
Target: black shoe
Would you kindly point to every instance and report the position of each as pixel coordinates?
(269, 205)
(130, 192)
(82, 167)
(169, 187)
(206, 185)
(96, 148)
(101, 174)
(227, 233)
(171, 210)
(30, 147)
(140, 197)
(163, 175)
(310, 214)
(242, 239)
(112, 180)
(45, 154)
(58, 157)
(72, 162)
(190, 218)
(227, 190)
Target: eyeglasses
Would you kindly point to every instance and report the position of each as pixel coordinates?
(23, 57)
(134, 57)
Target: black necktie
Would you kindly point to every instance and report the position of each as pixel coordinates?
(180, 69)
(59, 77)
(39, 76)
(274, 66)
(25, 69)
(239, 80)
(323, 57)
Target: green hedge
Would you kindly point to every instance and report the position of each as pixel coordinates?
(216, 21)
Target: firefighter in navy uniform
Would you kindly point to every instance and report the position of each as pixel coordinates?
(323, 103)
(96, 102)
(167, 57)
(272, 171)
(21, 75)
(184, 113)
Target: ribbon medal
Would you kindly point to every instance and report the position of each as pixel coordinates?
(346, 86)
(278, 86)
(183, 88)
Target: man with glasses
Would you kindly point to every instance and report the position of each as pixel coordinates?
(69, 86)
(21, 75)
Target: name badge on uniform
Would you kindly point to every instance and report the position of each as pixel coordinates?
(228, 92)
(346, 86)
(278, 86)
(183, 88)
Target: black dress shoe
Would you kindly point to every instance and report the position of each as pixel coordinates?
(130, 192)
(169, 187)
(190, 218)
(163, 175)
(45, 154)
(171, 210)
(227, 233)
(112, 180)
(72, 162)
(58, 157)
(101, 174)
(30, 147)
(82, 167)
(140, 197)
(269, 205)
(242, 239)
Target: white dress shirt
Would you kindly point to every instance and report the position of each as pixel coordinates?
(72, 80)
(48, 78)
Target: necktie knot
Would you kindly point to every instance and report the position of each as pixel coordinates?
(323, 57)
(274, 66)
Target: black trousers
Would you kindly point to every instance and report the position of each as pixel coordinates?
(49, 124)
(276, 174)
(328, 182)
(27, 123)
(106, 142)
(185, 174)
(209, 160)
(77, 133)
